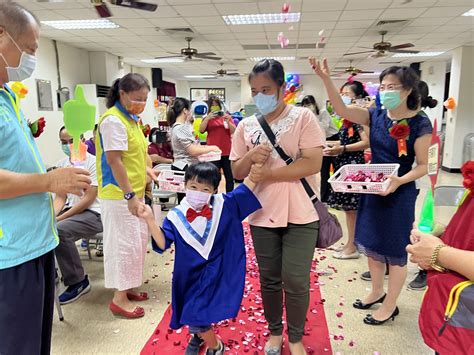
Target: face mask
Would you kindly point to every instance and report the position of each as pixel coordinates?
(347, 100)
(197, 199)
(390, 99)
(25, 68)
(135, 107)
(215, 108)
(265, 103)
(66, 149)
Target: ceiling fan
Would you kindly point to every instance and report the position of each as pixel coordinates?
(189, 53)
(381, 48)
(103, 10)
(221, 72)
(352, 70)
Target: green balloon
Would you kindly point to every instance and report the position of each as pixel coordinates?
(79, 116)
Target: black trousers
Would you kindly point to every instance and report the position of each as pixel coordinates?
(225, 165)
(326, 166)
(26, 307)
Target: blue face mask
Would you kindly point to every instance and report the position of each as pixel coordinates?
(346, 99)
(66, 149)
(265, 103)
(390, 99)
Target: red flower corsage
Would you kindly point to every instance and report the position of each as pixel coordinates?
(401, 132)
(467, 171)
(146, 129)
(37, 127)
(348, 125)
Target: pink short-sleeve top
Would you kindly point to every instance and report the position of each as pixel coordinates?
(295, 129)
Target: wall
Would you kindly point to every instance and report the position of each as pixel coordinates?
(74, 67)
(232, 88)
(434, 74)
(459, 121)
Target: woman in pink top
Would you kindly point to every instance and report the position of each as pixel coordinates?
(285, 230)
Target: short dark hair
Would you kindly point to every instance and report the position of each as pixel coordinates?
(179, 104)
(272, 68)
(310, 100)
(426, 99)
(128, 83)
(204, 173)
(409, 80)
(63, 128)
(14, 18)
(357, 88)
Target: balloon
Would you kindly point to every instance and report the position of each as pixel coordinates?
(156, 103)
(296, 78)
(293, 88)
(79, 116)
(289, 77)
(450, 103)
(285, 8)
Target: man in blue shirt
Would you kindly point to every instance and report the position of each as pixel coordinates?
(27, 223)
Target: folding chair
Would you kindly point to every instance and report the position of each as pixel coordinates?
(157, 193)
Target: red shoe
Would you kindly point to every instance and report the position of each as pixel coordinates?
(141, 296)
(138, 312)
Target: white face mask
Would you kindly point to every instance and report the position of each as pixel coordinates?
(197, 199)
(25, 68)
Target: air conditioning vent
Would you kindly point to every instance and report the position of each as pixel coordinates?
(102, 90)
(177, 31)
(392, 22)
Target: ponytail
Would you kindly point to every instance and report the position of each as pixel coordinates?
(128, 83)
(113, 95)
(176, 109)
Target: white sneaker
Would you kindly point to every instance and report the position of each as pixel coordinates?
(341, 255)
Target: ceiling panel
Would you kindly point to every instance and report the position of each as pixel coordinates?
(169, 22)
(237, 9)
(320, 16)
(361, 14)
(446, 11)
(324, 5)
(402, 13)
(196, 10)
(206, 21)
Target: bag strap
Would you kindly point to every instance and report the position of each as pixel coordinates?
(286, 158)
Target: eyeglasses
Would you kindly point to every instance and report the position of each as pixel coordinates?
(389, 87)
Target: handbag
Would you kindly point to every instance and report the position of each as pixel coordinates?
(330, 230)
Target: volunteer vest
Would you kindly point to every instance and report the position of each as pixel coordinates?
(27, 223)
(134, 160)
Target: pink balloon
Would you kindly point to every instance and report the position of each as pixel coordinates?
(284, 42)
(285, 8)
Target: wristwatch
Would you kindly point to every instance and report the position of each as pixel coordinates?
(434, 259)
(128, 196)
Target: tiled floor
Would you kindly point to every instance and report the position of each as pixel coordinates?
(90, 328)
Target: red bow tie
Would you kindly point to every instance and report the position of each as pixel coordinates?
(191, 214)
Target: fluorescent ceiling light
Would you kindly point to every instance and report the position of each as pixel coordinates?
(199, 76)
(258, 19)
(258, 59)
(420, 54)
(370, 74)
(163, 60)
(469, 13)
(81, 24)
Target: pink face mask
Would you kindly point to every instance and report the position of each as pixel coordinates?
(197, 199)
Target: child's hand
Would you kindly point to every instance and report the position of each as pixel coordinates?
(146, 213)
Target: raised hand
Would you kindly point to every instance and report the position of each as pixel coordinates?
(321, 70)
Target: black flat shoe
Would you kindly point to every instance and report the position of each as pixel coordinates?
(372, 321)
(360, 305)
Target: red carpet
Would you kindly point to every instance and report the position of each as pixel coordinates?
(248, 332)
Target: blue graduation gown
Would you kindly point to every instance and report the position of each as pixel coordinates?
(209, 267)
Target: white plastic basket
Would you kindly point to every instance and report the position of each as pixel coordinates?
(170, 180)
(212, 156)
(339, 184)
